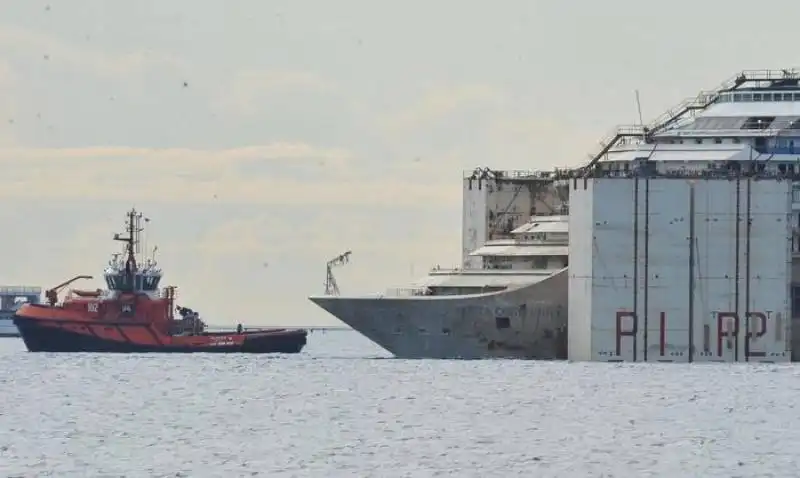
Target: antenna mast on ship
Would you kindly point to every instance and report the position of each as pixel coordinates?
(331, 288)
(639, 109)
(143, 246)
(131, 241)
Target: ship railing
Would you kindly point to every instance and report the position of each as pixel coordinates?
(764, 75)
(629, 134)
(20, 290)
(766, 132)
(612, 138)
(711, 173)
(407, 292)
(554, 173)
(677, 115)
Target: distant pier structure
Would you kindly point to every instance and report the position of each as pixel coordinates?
(11, 297)
(684, 239)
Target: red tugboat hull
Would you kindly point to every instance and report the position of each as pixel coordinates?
(134, 315)
(126, 337)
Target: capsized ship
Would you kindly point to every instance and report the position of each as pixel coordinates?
(509, 297)
(689, 244)
(133, 315)
(742, 138)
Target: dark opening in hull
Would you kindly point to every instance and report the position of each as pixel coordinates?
(46, 338)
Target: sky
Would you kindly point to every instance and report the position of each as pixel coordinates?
(264, 138)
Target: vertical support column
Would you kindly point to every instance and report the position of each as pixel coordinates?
(691, 269)
(748, 227)
(635, 253)
(646, 258)
(737, 265)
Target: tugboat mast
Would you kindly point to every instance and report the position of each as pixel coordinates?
(131, 242)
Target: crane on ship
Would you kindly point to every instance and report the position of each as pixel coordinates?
(331, 288)
(52, 293)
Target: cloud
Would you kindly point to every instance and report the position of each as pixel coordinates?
(518, 139)
(53, 49)
(275, 174)
(245, 90)
(176, 157)
(440, 103)
(8, 102)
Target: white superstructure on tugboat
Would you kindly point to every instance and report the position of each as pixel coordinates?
(508, 298)
(684, 241)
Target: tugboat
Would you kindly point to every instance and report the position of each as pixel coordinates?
(134, 316)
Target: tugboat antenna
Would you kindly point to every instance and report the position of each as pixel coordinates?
(131, 240)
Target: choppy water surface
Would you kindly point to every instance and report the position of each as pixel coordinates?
(340, 410)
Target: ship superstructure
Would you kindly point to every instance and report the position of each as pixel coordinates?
(508, 297)
(496, 202)
(12, 298)
(688, 243)
(534, 251)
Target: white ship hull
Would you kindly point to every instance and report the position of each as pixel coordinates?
(7, 328)
(526, 322)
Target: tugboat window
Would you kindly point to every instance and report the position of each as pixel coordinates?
(125, 283)
(503, 322)
(150, 283)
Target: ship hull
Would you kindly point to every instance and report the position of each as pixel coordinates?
(40, 337)
(528, 322)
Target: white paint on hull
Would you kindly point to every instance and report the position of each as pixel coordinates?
(465, 326)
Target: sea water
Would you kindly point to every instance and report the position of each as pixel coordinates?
(343, 408)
